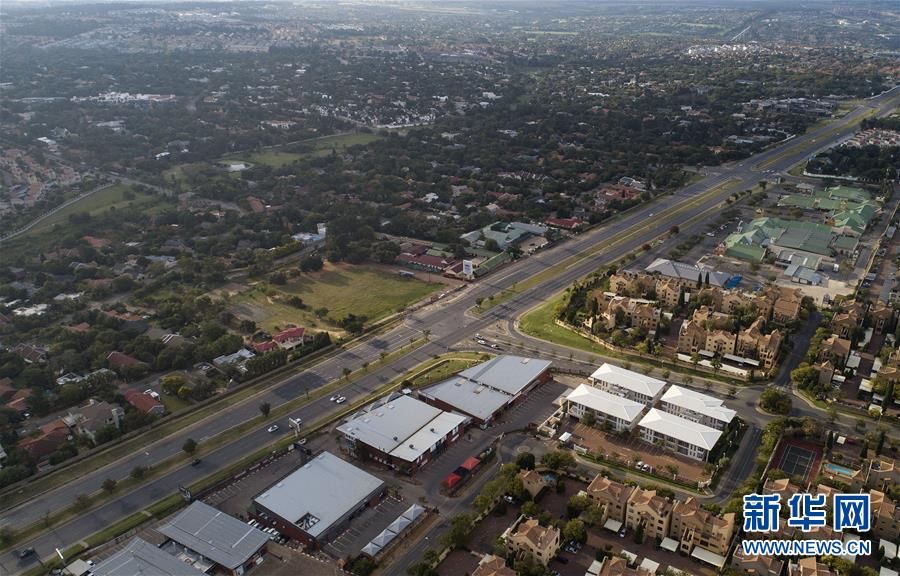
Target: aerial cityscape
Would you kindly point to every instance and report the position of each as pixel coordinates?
(449, 288)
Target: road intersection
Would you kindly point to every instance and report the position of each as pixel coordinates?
(447, 324)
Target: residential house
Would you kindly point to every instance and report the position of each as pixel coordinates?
(755, 564)
(696, 407)
(668, 292)
(695, 526)
(885, 517)
(616, 566)
(848, 318)
(836, 350)
(720, 342)
(30, 353)
(783, 487)
(691, 337)
(290, 338)
(883, 318)
(90, 419)
(810, 566)
(532, 481)
(753, 343)
(627, 384)
(50, 437)
(632, 313)
(145, 403)
(650, 511)
(678, 434)
(491, 565)
(528, 537)
(607, 409)
(120, 361)
(612, 495)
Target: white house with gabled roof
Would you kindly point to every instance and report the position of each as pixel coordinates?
(627, 384)
(620, 413)
(697, 407)
(677, 434)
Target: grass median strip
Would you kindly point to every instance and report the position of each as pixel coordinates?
(86, 502)
(15, 496)
(423, 374)
(593, 251)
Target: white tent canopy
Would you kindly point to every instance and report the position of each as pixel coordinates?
(705, 555)
(613, 525)
(669, 544)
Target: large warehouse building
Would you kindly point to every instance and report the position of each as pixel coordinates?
(316, 501)
(401, 432)
(485, 390)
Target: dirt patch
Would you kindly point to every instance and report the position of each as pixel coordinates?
(627, 451)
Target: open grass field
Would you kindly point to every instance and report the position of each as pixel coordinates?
(93, 204)
(341, 288)
(320, 147)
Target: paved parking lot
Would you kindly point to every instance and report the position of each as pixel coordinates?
(366, 526)
(235, 498)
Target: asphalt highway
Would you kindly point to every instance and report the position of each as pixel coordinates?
(448, 324)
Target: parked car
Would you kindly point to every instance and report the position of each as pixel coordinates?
(272, 428)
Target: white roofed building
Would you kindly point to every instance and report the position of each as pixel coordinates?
(696, 407)
(677, 434)
(627, 384)
(401, 432)
(316, 502)
(485, 390)
(620, 413)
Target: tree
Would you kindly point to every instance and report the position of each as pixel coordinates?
(459, 533)
(588, 419)
(189, 446)
(346, 372)
(525, 461)
(577, 504)
(775, 401)
(138, 472)
(558, 460)
(311, 263)
(109, 485)
(82, 501)
(574, 530)
(264, 409)
(639, 534)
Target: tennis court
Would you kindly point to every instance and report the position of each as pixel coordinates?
(798, 461)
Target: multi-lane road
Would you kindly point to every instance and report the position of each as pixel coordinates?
(447, 323)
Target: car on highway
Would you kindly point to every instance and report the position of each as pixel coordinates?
(25, 553)
(333, 398)
(340, 400)
(196, 462)
(272, 428)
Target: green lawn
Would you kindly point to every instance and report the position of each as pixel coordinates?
(96, 202)
(273, 158)
(320, 147)
(540, 323)
(343, 289)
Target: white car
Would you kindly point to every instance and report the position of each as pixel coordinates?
(333, 398)
(341, 400)
(151, 394)
(272, 428)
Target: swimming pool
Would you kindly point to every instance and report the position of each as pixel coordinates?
(842, 470)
